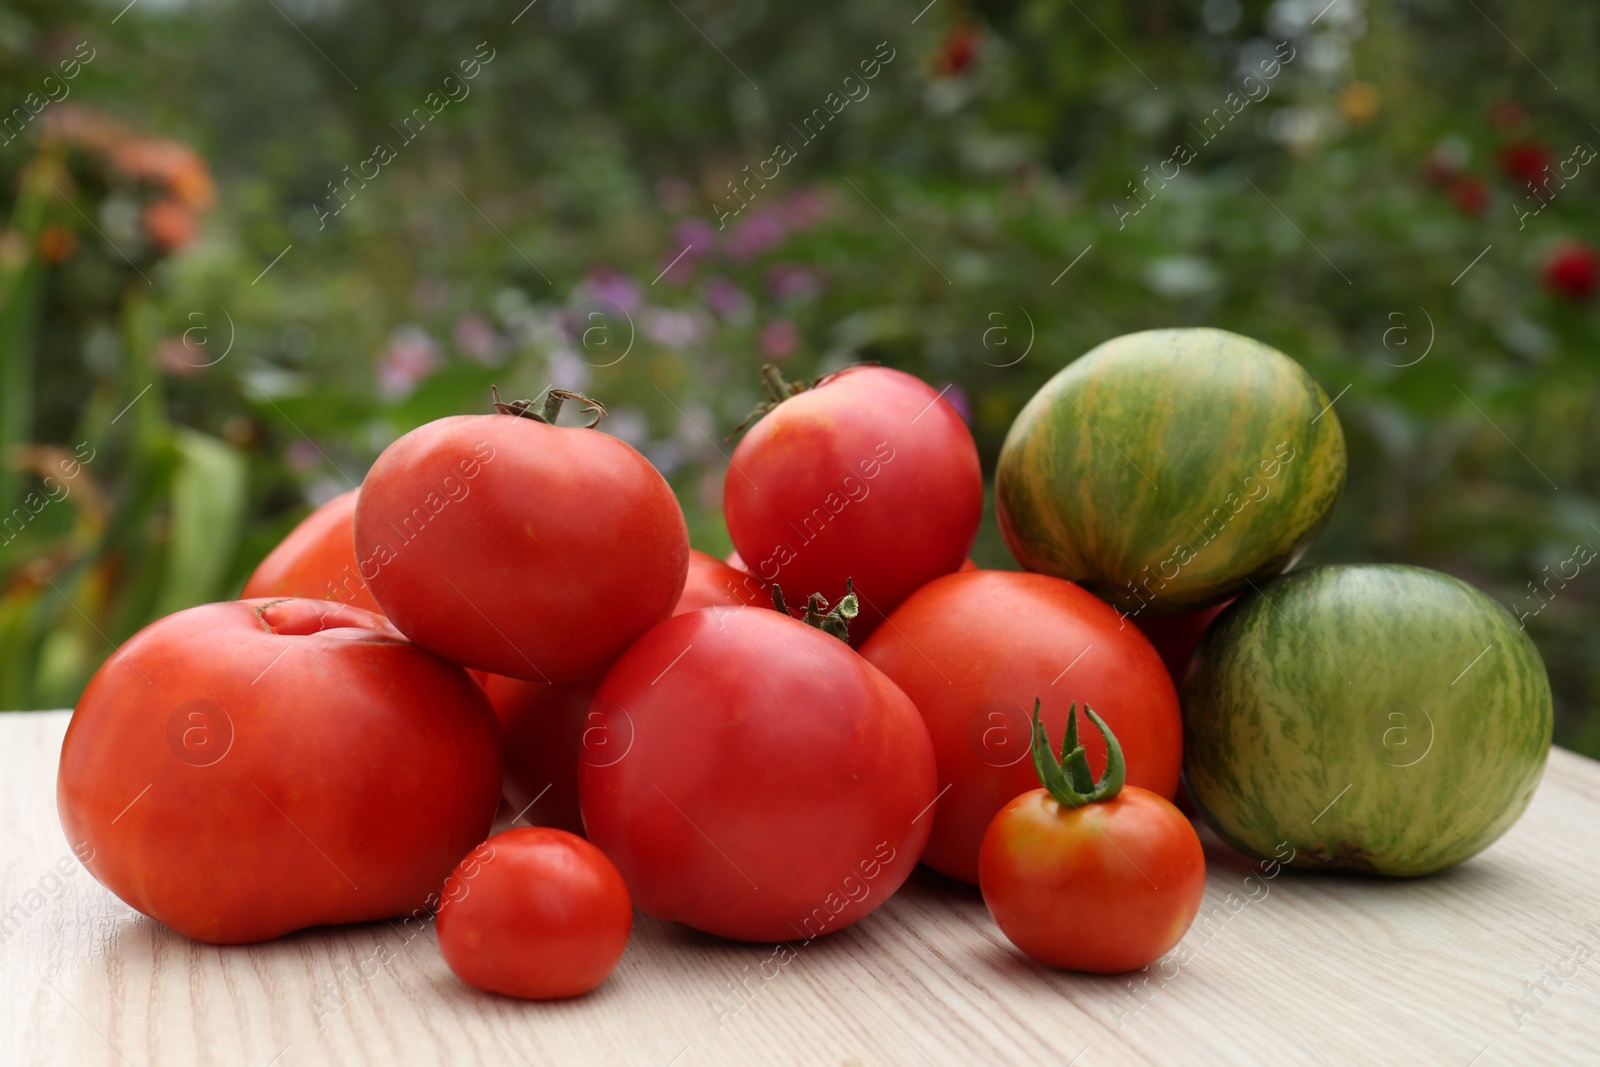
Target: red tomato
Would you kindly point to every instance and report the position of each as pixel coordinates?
(1102, 879)
(317, 559)
(968, 565)
(755, 778)
(531, 550)
(1174, 636)
(536, 913)
(713, 583)
(973, 649)
(242, 770)
(869, 475)
(541, 726)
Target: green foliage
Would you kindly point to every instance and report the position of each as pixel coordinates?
(514, 238)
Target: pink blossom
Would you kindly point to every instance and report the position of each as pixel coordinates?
(805, 209)
(410, 357)
(675, 329)
(779, 338)
(695, 232)
(476, 336)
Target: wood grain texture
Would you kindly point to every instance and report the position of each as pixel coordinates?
(1298, 969)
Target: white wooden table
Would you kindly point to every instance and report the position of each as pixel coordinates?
(1487, 963)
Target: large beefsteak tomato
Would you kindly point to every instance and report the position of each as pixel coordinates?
(245, 769)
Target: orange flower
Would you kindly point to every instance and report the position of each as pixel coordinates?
(169, 224)
(57, 243)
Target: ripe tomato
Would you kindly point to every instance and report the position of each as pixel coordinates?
(713, 583)
(755, 778)
(317, 559)
(1175, 636)
(869, 475)
(540, 914)
(245, 769)
(509, 544)
(1091, 876)
(972, 650)
(541, 726)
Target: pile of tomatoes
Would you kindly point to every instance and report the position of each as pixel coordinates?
(761, 748)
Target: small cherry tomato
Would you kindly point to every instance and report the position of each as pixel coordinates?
(713, 583)
(317, 559)
(535, 913)
(1086, 875)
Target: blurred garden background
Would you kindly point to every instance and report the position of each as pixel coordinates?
(247, 243)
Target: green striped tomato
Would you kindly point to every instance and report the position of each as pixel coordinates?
(1166, 470)
(1374, 718)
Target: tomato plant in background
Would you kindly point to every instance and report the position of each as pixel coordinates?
(509, 544)
(317, 559)
(867, 476)
(544, 916)
(245, 769)
(971, 648)
(757, 779)
(1090, 875)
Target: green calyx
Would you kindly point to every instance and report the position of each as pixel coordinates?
(836, 621)
(551, 409)
(1070, 781)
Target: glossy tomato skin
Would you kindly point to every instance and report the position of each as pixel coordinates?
(713, 583)
(868, 476)
(1175, 636)
(756, 779)
(973, 650)
(1106, 888)
(245, 769)
(536, 913)
(512, 546)
(317, 559)
(541, 726)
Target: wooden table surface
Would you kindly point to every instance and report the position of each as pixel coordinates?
(1488, 963)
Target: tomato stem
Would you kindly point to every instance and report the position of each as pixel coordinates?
(1070, 780)
(835, 622)
(778, 390)
(551, 409)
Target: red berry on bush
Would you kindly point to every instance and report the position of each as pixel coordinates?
(1471, 194)
(1526, 161)
(957, 51)
(1572, 271)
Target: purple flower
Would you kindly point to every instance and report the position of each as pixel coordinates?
(695, 232)
(787, 280)
(604, 283)
(956, 398)
(754, 234)
(779, 338)
(727, 299)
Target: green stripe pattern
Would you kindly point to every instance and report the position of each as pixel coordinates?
(1380, 719)
(1166, 470)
